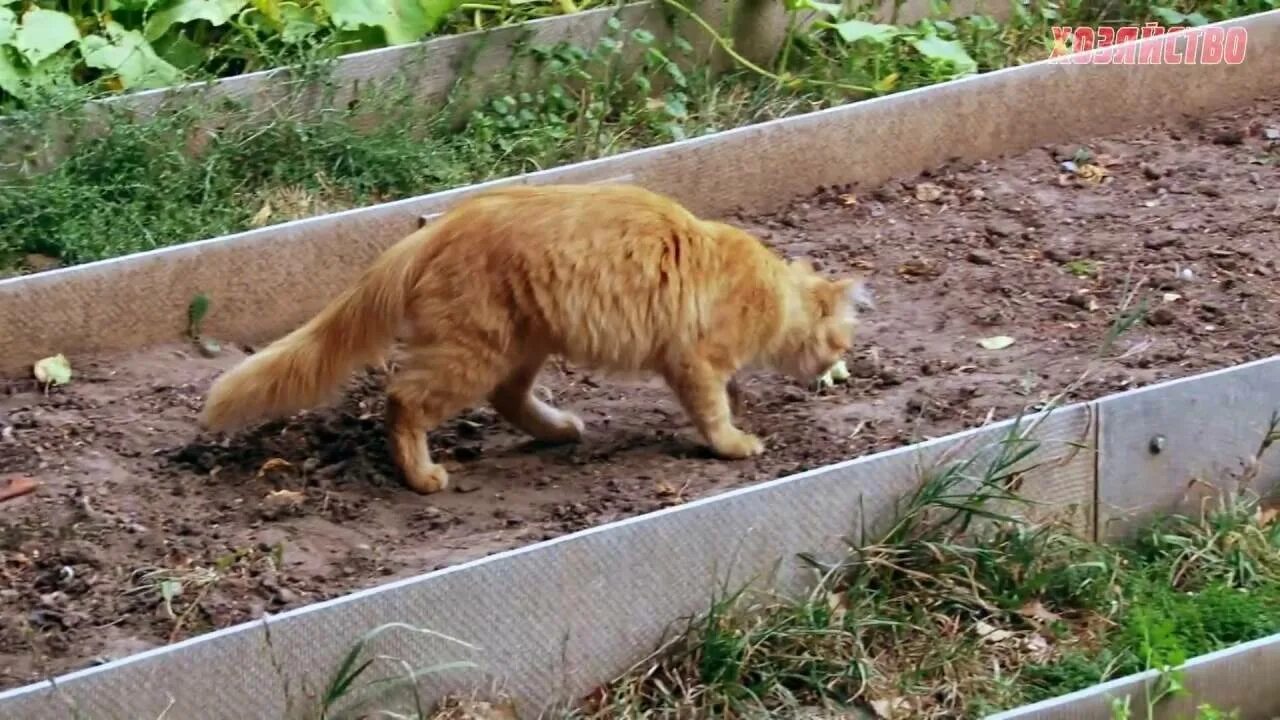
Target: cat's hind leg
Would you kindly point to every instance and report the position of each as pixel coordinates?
(704, 391)
(515, 401)
(434, 383)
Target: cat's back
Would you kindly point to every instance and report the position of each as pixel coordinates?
(573, 218)
(606, 274)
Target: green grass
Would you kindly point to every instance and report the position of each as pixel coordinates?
(146, 184)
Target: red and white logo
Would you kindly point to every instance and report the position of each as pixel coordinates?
(1174, 45)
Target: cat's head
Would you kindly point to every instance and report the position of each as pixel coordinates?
(820, 328)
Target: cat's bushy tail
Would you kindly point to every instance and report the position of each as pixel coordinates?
(307, 366)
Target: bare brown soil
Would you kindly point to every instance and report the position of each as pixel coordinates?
(133, 503)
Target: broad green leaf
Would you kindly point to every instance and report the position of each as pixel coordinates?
(11, 77)
(43, 33)
(170, 589)
(401, 21)
(25, 81)
(55, 370)
(1168, 16)
(8, 25)
(216, 12)
(181, 51)
(299, 22)
(951, 51)
(1195, 19)
(855, 30)
(127, 55)
(271, 10)
(676, 108)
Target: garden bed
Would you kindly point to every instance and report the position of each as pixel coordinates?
(143, 532)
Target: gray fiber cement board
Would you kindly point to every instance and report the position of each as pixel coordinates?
(553, 620)
(1165, 447)
(140, 300)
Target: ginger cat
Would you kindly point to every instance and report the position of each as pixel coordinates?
(610, 277)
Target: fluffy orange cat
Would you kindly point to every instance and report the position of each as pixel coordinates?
(610, 277)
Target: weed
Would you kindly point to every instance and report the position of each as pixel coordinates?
(172, 588)
(1081, 268)
(343, 696)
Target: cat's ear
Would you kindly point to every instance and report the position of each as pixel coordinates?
(855, 291)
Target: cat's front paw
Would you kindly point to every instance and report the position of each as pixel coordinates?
(427, 478)
(736, 445)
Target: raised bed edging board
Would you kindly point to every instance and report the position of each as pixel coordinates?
(265, 282)
(546, 618)
(489, 52)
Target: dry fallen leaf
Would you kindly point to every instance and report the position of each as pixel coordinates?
(1091, 173)
(849, 199)
(917, 267)
(838, 604)
(1267, 513)
(990, 633)
(928, 192)
(1038, 612)
(272, 465)
(275, 464)
(291, 497)
(1039, 648)
(263, 215)
(890, 708)
(17, 486)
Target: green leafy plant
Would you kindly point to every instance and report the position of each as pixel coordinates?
(48, 46)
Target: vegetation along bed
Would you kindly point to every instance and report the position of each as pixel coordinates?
(995, 283)
(126, 45)
(145, 184)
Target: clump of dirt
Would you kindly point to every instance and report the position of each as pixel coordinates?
(144, 531)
